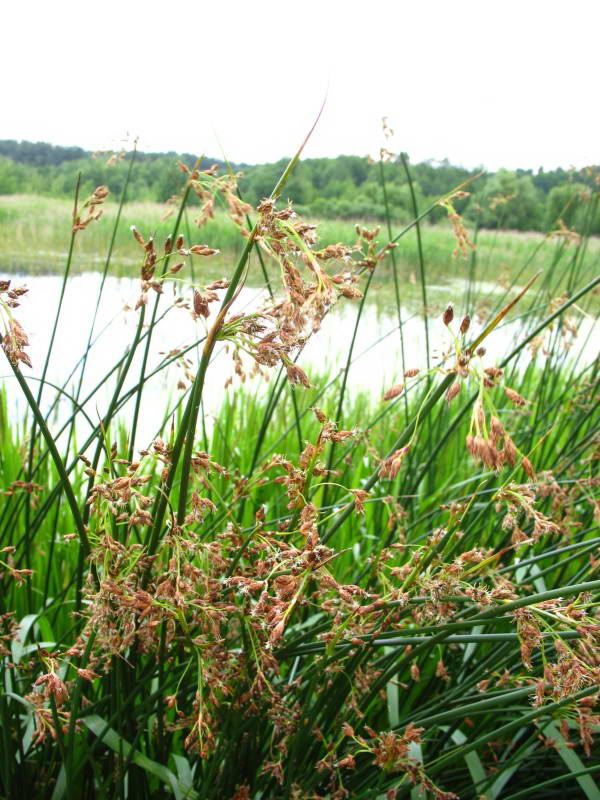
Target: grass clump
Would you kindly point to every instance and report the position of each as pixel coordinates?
(316, 594)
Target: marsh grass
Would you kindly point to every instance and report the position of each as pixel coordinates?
(317, 593)
(32, 241)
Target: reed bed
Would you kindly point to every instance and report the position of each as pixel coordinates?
(32, 240)
(317, 594)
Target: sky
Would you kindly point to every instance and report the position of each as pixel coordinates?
(487, 83)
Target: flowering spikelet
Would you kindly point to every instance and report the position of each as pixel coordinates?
(514, 397)
(360, 495)
(92, 209)
(14, 340)
(391, 753)
(297, 375)
(13, 343)
(453, 390)
(394, 391)
(390, 467)
(528, 467)
(463, 243)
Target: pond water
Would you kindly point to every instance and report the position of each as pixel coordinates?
(377, 352)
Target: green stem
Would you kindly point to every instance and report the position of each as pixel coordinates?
(58, 462)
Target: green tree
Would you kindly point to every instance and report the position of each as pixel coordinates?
(511, 201)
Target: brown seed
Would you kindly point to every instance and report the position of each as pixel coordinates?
(320, 415)
(394, 391)
(496, 429)
(200, 304)
(514, 397)
(138, 236)
(464, 325)
(493, 372)
(391, 465)
(297, 375)
(360, 495)
(528, 467)
(448, 315)
(509, 451)
(453, 391)
(202, 250)
(470, 443)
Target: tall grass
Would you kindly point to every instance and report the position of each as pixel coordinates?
(317, 593)
(32, 240)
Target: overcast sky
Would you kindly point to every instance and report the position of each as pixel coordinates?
(482, 83)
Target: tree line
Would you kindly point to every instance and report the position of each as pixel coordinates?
(347, 187)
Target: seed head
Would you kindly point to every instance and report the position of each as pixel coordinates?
(138, 236)
(528, 467)
(496, 429)
(394, 391)
(391, 466)
(200, 304)
(14, 342)
(448, 315)
(514, 397)
(453, 391)
(297, 375)
(320, 415)
(509, 451)
(203, 250)
(360, 495)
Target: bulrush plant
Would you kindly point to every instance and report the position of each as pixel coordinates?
(285, 606)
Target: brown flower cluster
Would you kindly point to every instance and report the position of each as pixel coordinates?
(91, 210)
(276, 333)
(152, 259)
(489, 443)
(310, 290)
(463, 243)
(48, 700)
(208, 186)
(391, 752)
(520, 502)
(14, 339)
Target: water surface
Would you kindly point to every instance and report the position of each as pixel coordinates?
(377, 360)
